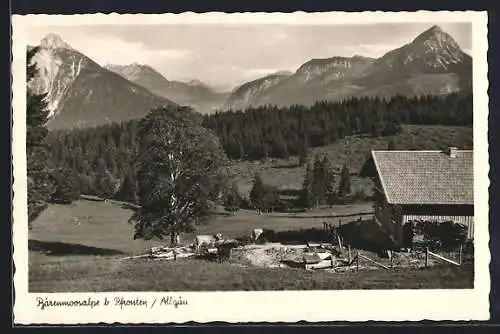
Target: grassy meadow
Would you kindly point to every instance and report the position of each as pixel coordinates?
(287, 174)
(65, 256)
(107, 274)
(103, 228)
(78, 247)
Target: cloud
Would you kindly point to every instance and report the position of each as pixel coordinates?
(281, 35)
(111, 49)
(258, 72)
(172, 54)
(229, 55)
(120, 52)
(370, 50)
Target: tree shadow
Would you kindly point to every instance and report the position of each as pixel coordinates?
(295, 237)
(55, 248)
(359, 234)
(365, 234)
(290, 192)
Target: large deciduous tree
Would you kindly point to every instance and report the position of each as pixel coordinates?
(177, 164)
(40, 185)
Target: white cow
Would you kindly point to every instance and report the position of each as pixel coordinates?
(256, 234)
(206, 240)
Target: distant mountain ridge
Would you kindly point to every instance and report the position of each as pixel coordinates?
(250, 92)
(193, 93)
(81, 93)
(432, 63)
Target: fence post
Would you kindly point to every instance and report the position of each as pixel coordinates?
(391, 257)
(349, 253)
(426, 256)
(357, 261)
(460, 254)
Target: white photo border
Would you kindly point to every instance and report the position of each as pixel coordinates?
(259, 306)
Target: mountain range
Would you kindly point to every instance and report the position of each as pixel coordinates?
(193, 93)
(432, 63)
(82, 93)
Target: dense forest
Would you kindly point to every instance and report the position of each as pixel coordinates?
(99, 161)
(271, 131)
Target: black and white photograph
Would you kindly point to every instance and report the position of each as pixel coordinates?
(197, 162)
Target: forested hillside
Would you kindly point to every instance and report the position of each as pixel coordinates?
(271, 131)
(99, 160)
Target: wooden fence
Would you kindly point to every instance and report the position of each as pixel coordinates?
(440, 257)
(361, 256)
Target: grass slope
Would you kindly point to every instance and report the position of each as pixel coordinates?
(86, 256)
(195, 275)
(286, 174)
(76, 247)
(103, 227)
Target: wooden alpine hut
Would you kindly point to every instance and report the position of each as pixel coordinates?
(435, 186)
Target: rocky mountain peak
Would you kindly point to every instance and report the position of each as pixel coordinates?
(132, 71)
(283, 73)
(334, 68)
(433, 50)
(435, 29)
(435, 38)
(133, 67)
(195, 82)
(54, 41)
(361, 58)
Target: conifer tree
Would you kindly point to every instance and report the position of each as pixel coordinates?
(257, 193)
(303, 152)
(330, 192)
(319, 182)
(345, 183)
(307, 197)
(232, 198)
(128, 188)
(67, 186)
(270, 198)
(40, 183)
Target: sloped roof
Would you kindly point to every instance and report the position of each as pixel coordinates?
(426, 177)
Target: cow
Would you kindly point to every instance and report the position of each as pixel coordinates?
(256, 233)
(208, 241)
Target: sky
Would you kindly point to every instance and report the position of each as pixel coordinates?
(225, 56)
